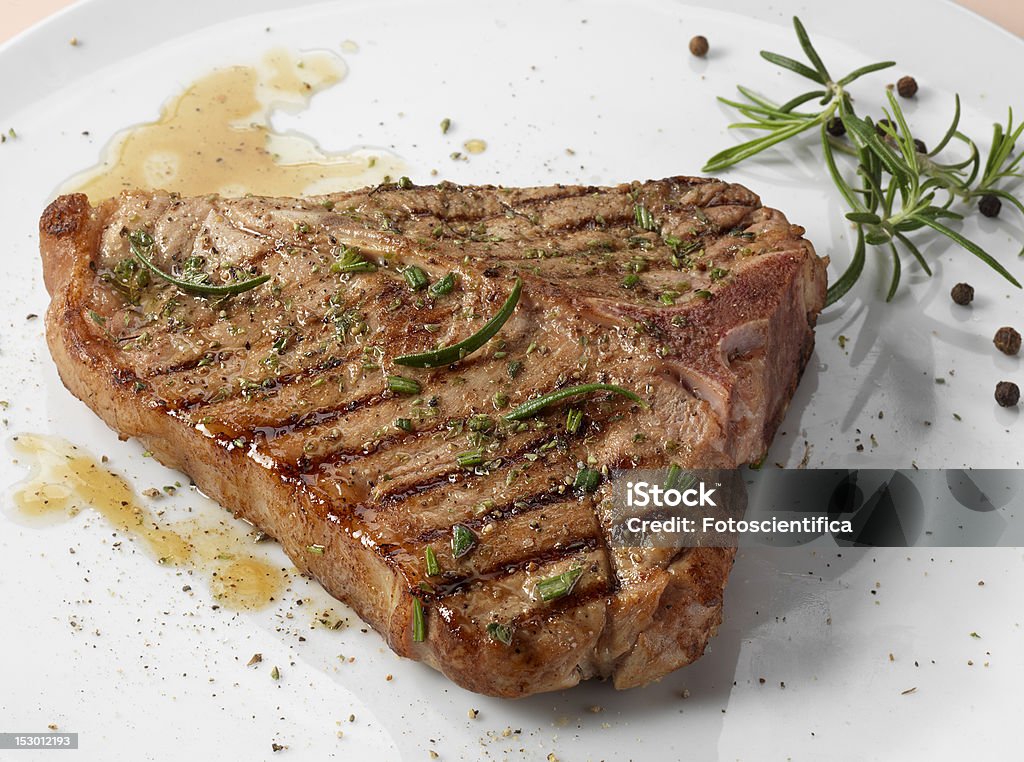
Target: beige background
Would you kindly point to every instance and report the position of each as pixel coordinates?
(1007, 13)
(17, 15)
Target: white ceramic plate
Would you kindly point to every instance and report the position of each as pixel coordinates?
(103, 642)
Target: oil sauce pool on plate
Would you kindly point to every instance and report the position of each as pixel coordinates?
(216, 137)
(64, 481)
(213, 137)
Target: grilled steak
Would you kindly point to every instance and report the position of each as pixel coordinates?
(277, 400)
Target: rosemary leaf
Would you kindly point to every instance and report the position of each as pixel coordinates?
(141, 245)
(530, 408)
(456, 352)
(587, 480)
(470, 458)
(443, 286)
(415, 278)
(573, 419)
(419, 624)
(500, 632)
(430, 557)
(463, 540)
(403, 385)
(559, 586)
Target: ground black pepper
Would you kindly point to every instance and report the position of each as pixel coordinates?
(1007, 340)
(907, 87)
(962, 293)
(1007, 393)
(699, 46)
(990, 205)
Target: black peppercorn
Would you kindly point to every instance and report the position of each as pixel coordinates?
(835, 127)
(990, 205)
(699, 46)
(1007, 340)
(884, 123)
(907, 87)
(962, 293)
(919, 146)
(1007, 393)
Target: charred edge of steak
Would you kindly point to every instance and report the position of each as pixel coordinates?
(64, 215)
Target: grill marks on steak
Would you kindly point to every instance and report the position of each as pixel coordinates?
(275, 400)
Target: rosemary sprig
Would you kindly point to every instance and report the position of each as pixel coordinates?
(530, 408)
(1001, 164)
(456, 352)
(900, 187)
(781, 123)
(141, 244)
